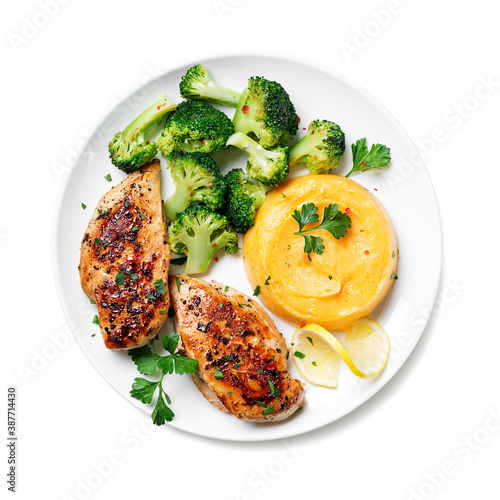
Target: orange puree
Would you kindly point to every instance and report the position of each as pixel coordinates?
(348, 280)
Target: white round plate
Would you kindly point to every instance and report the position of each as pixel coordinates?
(404, 189)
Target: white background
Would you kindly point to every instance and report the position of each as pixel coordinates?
(434, 430)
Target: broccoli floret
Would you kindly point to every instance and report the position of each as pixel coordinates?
(129, 149)
(198, 84)
(197, 179)
(267, 166)
(198, 233)
(195, 126)
(320, 149)
(265, 110)
(244, 197)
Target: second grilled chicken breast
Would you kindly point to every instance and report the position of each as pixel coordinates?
(241, 355)
(125, 259)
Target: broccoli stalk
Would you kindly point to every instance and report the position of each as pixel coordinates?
(198, 84)
(320, 149)
(265, 110)
(197, 179)
(244, 197)
(129, 149)
(267, 166)
(198, 233)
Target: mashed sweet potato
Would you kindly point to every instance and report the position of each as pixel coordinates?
(335, 288)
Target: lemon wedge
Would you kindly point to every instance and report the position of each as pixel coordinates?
(365, 350)
(314, 357)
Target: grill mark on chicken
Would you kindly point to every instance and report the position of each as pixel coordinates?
(127, 237)
(241, 355)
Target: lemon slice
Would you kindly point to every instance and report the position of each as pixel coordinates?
(314, 357)
(365, 350)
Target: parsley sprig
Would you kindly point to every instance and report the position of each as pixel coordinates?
(148, 361)
(334, 221)
(363, 159)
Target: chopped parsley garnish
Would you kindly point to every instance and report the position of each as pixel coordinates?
(394, 276)
(260, 370)
(267, 410)
(314, 363)
(142, 216)
(97, 240)
(226, 289)
(84, 206)
(148, 361)
(334, 221)
(160, 287)
(379, 156)
(236, 366)
(299, 354)
(92, 301)
(126, 204)
(266, 283)
(275, 392)
(178, 283)
(163, 313)
(227, 357)
(96, 320)
(393, 253)
(135, 228)
(256, 292)
(218, 375)
(134, 277)
(310, 340)
(108, 177)
(150, 296)
(120, 278)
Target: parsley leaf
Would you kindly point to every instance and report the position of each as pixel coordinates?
(170, 342)
(334, 221)
(275, 392)
(379, 156)
(307, 215)
(148, 361)
(145, 359)
(120, 278)
(162, 413)
(160, 287)
(256, 292)
(143, 390)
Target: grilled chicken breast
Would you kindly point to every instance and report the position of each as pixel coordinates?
(241, 355)
(124, 254)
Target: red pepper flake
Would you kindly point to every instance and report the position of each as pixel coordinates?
(366, 252)
(304, 128)
(161, 105)
(203, 141)
(216, 259)
(245, 110)
(347, 210)
(147, 142)
(214, 244)
(298, 118)
(363, 163)
(375, 189)
(271, 367)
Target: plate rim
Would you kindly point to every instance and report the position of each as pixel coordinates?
(282, 433)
